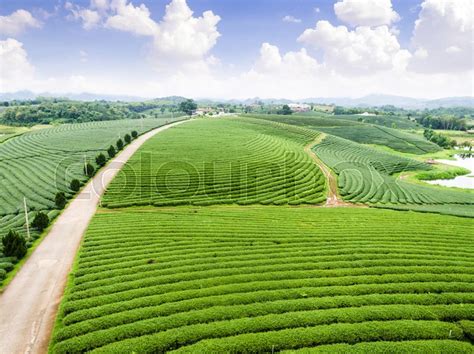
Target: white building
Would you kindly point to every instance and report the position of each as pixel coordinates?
(299, 107)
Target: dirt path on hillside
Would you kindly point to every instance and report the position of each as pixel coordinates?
(29, 304)
(333, 198)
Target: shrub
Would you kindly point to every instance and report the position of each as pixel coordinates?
(41, 221)
(100, 160)
(111, 151)
(60, 200)
(89, 170)
(134, 134)
(75, 185)
(14, 245)
(127, 138)
(119, 144)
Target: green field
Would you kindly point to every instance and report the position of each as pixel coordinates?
(349, 128)
(365, 175)
(221, 161)
(8, 132)
(222, 279)
(38, 164)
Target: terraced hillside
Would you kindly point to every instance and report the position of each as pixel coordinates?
(221, 161)
(365, 176)
(238, 279)
(38, 164)
(347, 127)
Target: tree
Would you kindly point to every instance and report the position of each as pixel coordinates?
(89, 170)
(14, 245)
(127, 138)
(60, 200)
(41, 221)
(119, 144)
(134, 134)
(100, 160)
(285, 110)
(111, 151)
(188, 107)
(75, 185)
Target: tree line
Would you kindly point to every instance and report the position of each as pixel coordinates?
(26, 113)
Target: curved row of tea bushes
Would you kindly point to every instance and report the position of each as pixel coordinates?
(237, 279)
(365, 176)
(39, 164)
(221, 161)
(349, 128)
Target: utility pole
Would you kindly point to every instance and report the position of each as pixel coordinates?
(26, 219)
(85, 165)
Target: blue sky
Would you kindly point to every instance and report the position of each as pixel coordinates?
(61, 49)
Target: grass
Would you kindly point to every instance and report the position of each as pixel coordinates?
(238, 279)
(39, 163)
(221, 161)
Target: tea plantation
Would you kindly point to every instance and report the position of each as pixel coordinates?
(349, 128)
(365, 176)
(221, 161)
(38, 164)
(223, 279)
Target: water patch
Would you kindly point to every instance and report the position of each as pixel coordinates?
(467, 181)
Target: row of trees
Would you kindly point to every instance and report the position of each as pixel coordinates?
(442, 122)
(16, 245)
(439, 139)
(47, 112)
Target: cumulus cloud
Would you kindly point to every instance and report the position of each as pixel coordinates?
(362, 51)
(16, 72)
(291, 19)
(271, 61)
(89, 18)
(180, 41)
(133, 19)
(183, 39)
(366, 12)
(443, 36)
(17, 22)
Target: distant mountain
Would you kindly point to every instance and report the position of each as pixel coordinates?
(84, 96)
(398, 101)
(366, 101)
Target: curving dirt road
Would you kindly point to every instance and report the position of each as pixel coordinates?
(29, 304)
(333, 198)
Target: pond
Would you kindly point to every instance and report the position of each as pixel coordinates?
(467, 181)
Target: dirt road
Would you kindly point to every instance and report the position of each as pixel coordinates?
(333, 198)
(29, 303)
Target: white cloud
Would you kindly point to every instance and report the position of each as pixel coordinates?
(132, 19)
(101, 5)
(291, 19)
(180, 41)
(90, 18)
(184, 40)
(366, 12)
(317, 10)
(362, 51)
(444, 34)
(17, 22)
(271, 61)
(16, 72)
